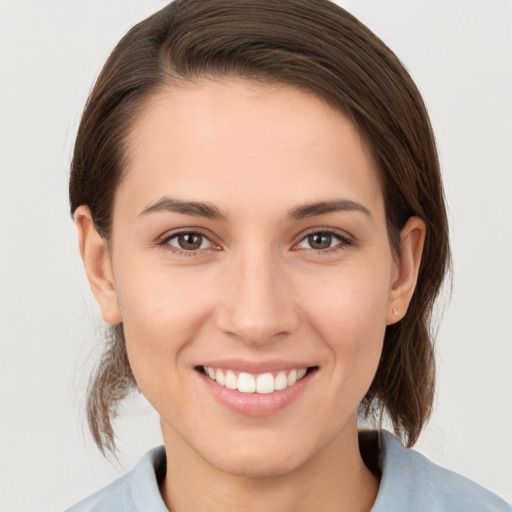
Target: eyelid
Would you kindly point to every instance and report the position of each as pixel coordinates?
(204, 238)
(163, 241)
(345, 239)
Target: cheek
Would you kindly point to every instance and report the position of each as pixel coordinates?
(155, 298)
(161, 316)
(349, 299)
(350, 317)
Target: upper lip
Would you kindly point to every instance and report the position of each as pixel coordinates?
(256, 367)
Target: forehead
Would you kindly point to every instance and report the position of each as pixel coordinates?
(223, 140)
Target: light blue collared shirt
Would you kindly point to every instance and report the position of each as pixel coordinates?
(409, 483)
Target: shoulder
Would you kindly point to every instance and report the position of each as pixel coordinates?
(115, 496)
(412, 482)
(137, 490)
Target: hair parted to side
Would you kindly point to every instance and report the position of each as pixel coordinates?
(314, 45)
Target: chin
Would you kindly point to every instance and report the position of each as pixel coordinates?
(258, 458)
(261, 466)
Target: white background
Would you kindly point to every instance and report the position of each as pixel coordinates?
(460, 54)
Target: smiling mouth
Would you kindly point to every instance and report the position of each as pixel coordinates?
(263, 383)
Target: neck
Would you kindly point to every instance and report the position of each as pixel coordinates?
(334, 479)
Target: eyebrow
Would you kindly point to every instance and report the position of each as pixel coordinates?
(207, 210)
(167, 204)
(324, 207)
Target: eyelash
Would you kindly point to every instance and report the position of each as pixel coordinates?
(164, 243)
(344, 242)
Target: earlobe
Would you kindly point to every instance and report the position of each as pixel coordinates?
(412, 239)
(97, 263)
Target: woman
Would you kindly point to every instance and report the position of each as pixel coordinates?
(261, 218)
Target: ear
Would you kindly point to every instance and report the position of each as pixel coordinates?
(98, 266)
(412, 238)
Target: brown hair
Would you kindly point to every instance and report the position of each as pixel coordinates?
(319, 47)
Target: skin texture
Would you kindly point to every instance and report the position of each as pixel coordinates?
(254, 291)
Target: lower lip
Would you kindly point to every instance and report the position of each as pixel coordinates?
(256, 404)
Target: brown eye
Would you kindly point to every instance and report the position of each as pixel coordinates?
(323, 241)
(320, 240)
(189, 241)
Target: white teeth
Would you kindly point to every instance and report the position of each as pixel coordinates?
(265, 383)
(248, 383)
(219, 377)
(231, 380)
(292, 378)
(281, 381)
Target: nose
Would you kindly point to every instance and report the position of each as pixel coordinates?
(258, 300)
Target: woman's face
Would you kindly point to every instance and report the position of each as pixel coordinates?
(249, 244)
